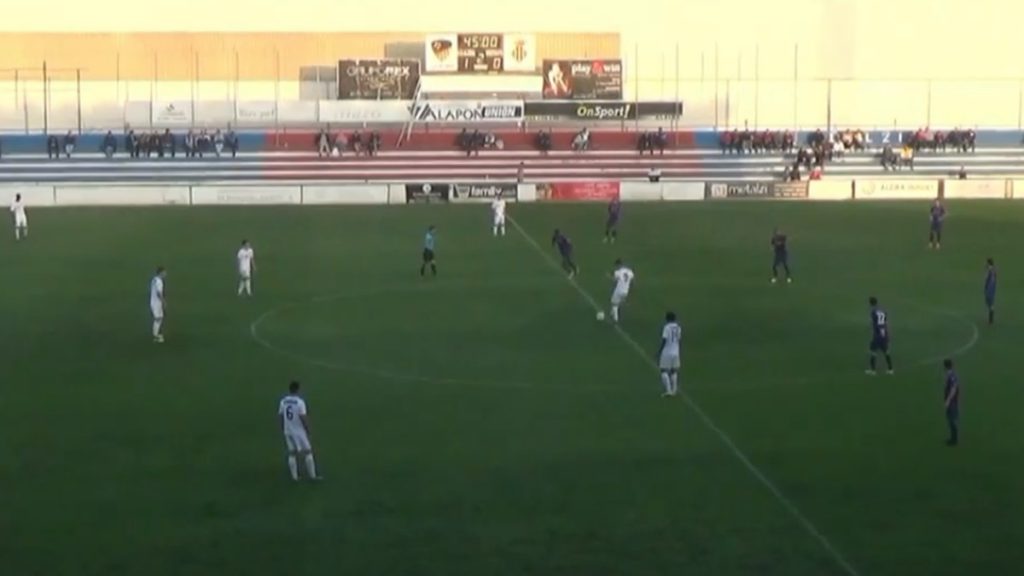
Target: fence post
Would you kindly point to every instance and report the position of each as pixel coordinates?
(828, 108)
(928, 108)
(1020, 104)
(716, 86)
(796, 87)
(78, 96)
(46, 101)
(757, 84)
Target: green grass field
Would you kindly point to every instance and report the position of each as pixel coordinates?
(484, 423)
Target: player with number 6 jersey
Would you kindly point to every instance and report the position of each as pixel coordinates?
(295, 425)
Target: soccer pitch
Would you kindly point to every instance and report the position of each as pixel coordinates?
(483, 422)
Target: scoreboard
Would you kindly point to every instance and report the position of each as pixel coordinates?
(480, 53)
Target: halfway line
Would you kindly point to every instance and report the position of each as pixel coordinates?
(705, 418)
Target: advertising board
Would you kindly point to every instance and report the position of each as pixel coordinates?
(601, 110)
(360, 111)
(975, 189)
(427, 193)
(483, 192)
(577, 191)
(582, 79)
(176, 114)
(896, 189)
(246, 195)
(468, 111)
(380, 79)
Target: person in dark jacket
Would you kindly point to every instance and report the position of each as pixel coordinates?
(109, 146)
(169, 144)
(129, 143)
(231, 140)
(52, 147)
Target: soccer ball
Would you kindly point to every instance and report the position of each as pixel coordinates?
(600, 316)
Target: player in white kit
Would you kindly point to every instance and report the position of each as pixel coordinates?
(668, 354)
(157, 303)
(246, 267)
(20, 219)
(498, 211)
(623, 277)
(294, 424)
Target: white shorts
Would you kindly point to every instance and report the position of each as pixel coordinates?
(499, 220)
(618, 297)
(669, 362)
(157, 309)
(21, 221)
(297, 442)
(245, 274)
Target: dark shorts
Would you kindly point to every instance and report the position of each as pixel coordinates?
(781, 258)
(613, 221)
(953, 414)
(879, 344)
(990, 299)
(428, 255)
(937, 227)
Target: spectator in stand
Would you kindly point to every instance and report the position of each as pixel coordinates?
(962, 174)
(374, 146)
(462, 141)
(109, 146)
(816, 173)
(544, 142)
(581, 142)
(654, 174)
(521, 172)
(168, 144)
(476, 141)
(231, 140)
(190, 144)
(490, 141)
(1, 148)
(52, 147)
(129, 143)
(218, 142)
(907, 156)
(357, 143)
(890, 160)
(323, 143)
(69, 144)
(205, 142)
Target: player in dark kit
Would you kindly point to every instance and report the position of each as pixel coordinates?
(565, 249)
(951, 399)
(879, 336)
(936, 216)
(428, 253)
(781, 256)
(991, 277)
(611, 228)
